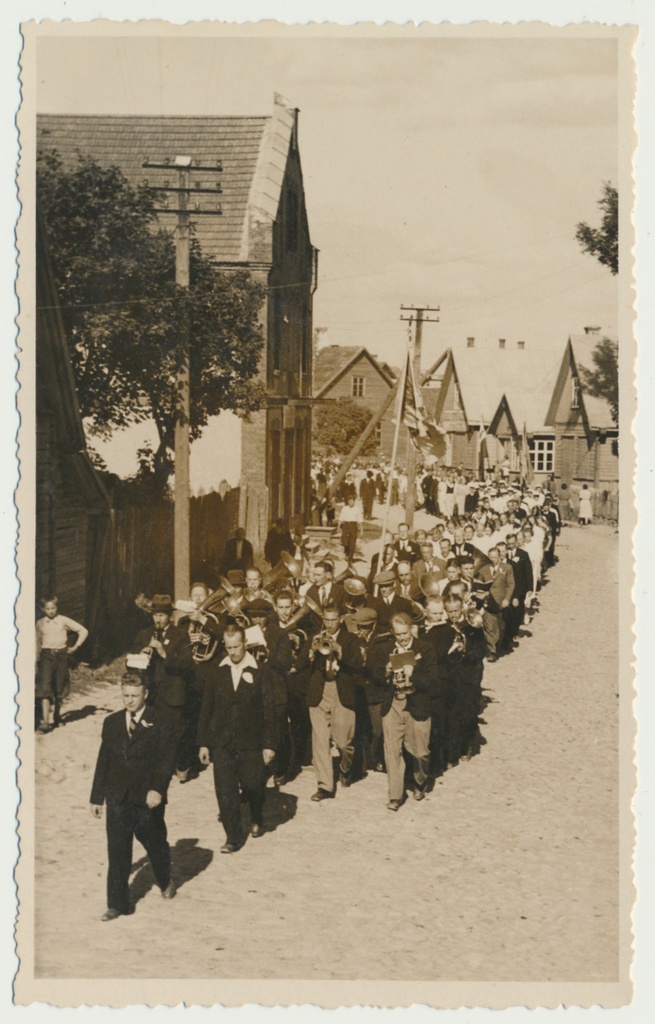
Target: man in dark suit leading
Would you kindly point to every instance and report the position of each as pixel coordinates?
(238, 553)
(134, 768)
(236, 731)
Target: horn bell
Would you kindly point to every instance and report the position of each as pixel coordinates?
(428, 585)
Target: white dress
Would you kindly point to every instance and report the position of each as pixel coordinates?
(585, 506)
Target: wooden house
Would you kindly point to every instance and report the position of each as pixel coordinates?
(584, 435)
(263, 228)
(347, 371)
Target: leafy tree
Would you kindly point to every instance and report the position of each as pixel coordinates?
(603, 380)
(603, 242)
(127, 320)
(339, 426)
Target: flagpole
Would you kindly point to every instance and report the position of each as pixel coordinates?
(394, 451)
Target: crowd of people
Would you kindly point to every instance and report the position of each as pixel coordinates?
(375, 669)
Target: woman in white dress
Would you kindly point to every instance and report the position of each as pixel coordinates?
(585, 514)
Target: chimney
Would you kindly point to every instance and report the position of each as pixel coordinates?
(520, 344)
(470, 342)
(501, 343)
(592, 330)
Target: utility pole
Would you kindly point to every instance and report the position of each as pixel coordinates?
(183, 190)
(418, 318)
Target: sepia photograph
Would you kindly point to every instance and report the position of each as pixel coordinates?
(325, 625)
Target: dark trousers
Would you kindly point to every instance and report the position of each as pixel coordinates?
(125, 822)
(280, 764)
(349, 539)
(462, 718)
(300, 728)
(236, 770)
(175, 715)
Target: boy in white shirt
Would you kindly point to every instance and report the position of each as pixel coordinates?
(52, 651)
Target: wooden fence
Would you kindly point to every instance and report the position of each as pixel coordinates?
(136, 556)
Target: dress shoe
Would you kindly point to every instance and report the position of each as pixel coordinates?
(492, 657)
(322, 794)
(379, 767)
(418, 794)
(169, 891)
(394, 805)
(230, 848)
(256, 831)
(111, 914)
(344, 779)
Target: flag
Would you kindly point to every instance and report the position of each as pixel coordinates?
(427, 437)
(525, 462)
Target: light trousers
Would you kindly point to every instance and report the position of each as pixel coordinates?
(331, 721)
(401, 730)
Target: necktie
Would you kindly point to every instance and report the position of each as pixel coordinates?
(323, 594)
(132, 724)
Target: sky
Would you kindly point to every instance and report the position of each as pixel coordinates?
(447, 172)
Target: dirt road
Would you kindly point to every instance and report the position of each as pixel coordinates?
(507, 871)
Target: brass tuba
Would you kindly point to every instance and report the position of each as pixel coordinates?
(287, 568)
(308, 605)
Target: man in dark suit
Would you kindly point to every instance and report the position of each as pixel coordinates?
(133, 770)
(406, 549)
(324, 590)
(278, 540)
(168, 674)
(499, 578)
(331, 699)
(275, 661)
(407, 585)
(460, 545)
(388, 601)
(236, 731)
(523, 584)
(406, 705)
(238, 552)
(367, 491)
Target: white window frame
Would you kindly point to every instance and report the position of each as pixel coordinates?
(358, 386)
(542, 454)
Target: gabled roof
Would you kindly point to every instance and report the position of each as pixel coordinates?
(578, 355)
(525, 377)
(253, 151)
(504, 407)
(333, 361)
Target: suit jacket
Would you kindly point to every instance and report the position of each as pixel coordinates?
(337, 595)
(414, 594)
(411, 553)
(127, 768)
(424, 677)
(462, 549)
(523, 575)
(167, 677)
(349, 672)
(436, 569)
(230, 560)
(278, 663)
(501, 580)
(240, 719)
(385, 611)
(276, 543)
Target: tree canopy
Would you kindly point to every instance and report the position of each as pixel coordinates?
(127, 320)
(603, 380)
(603, 242)
(338, 427)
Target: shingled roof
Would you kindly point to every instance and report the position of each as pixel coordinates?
(485, 373)
(252, 150)
(331, 362)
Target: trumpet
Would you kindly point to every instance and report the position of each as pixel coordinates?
(324, 643)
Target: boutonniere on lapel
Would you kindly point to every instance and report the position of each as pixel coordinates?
(146, 725)
(247, 677)
(166, 642)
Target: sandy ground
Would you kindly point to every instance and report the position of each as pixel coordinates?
(507, 871)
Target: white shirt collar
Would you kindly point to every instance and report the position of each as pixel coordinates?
(246, 662)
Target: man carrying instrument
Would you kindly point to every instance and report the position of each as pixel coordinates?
(335, 660)
(254, 590)
(297, 627)
(167, 674)
(404, 669)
